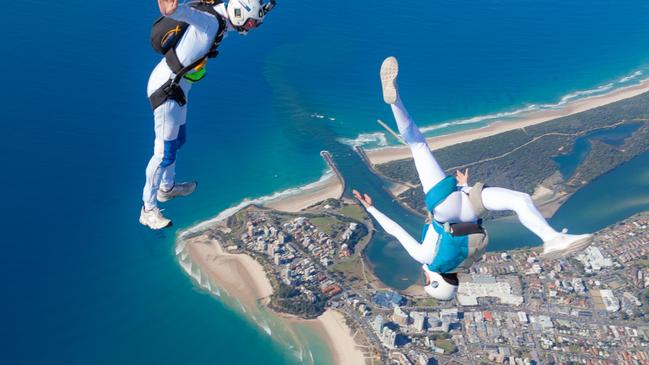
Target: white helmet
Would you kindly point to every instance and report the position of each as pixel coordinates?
(245, 14)
(438, 287)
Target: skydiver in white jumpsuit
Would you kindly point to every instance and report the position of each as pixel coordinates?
(457, 205)
(170, 116)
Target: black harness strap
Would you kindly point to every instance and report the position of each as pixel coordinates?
(168, 91)
(171, 90)
(172, 57)
(465, 229)
(173, 62)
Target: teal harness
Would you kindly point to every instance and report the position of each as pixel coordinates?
(439, 192)
(451, 250)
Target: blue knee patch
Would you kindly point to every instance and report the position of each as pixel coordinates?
(182, 136)
(170, 149)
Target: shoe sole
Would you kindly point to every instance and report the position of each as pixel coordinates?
(575, 247)
(389, 73)
(162, 199)
(154, 228)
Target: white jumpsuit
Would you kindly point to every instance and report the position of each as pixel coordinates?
(456, 208)
(170, 118)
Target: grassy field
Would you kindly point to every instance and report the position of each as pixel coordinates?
(326, 224)
(352, 270)
(446, 345)
(354, 212)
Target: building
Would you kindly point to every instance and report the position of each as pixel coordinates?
(611, 303)
(593, 259)
(378, 323)
(487, 286)
(418, 320)
(400, 317)
(522, 317)
(389, 338)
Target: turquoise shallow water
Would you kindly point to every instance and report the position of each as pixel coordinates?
(84, 283)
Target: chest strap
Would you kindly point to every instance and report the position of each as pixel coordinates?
(171, 90)
(171, 57)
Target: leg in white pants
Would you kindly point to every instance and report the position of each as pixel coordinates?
(170, 135)
(457, 208)
(429, 171)
(497, 199)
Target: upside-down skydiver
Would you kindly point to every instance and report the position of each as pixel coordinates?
(448, 245)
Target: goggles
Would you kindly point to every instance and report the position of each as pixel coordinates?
(249, 25)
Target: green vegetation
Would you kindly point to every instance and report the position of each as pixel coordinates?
(440, 336)
(447, 345)
(574, 348)
(329, 225)
(525, 168)
(643, 263)
(289, 300)
(351, 270)
(424, 302)
(353, 211)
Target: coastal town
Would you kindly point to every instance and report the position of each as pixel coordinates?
(512, 307)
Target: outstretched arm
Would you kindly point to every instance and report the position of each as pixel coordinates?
(423, 253)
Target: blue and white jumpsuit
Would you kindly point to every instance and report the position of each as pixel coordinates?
(170, 117)
(457, 206)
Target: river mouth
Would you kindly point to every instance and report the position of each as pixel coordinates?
(624, 192)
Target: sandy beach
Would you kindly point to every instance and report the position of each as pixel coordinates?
(240, 275)
(329, 188)
(340, 338)
(245, 279)
(383, 155)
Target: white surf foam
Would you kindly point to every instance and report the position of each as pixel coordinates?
(633, 76)
(366, 139)
(376, 138)
(265, 327)
(227, 213)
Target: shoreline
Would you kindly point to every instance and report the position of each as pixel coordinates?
(377, 156)
(328, 188)
(240, 275)
(332, 326)
(244, 278)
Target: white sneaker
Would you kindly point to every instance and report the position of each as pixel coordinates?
(154, 218)
(565, 244)
(181, 189)
(389, 73)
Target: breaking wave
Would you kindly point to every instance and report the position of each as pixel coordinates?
(328, 174)
(378, 139)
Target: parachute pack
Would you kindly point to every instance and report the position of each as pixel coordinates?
(165, 35)
(167, 32)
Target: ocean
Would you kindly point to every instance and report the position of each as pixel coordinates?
(85, 283)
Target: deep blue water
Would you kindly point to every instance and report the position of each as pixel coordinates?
(84, 283)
